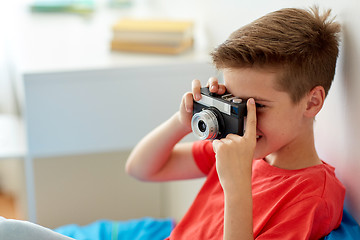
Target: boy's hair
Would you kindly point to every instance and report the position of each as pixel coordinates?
(302, 43)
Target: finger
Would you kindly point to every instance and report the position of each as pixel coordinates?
(232, 137)
(188, 102)
(222, 89)
(250, 130)
(213, 84)
(196, 89)
(226, 140)
(215, 145)
(210, 81)
(219, 144)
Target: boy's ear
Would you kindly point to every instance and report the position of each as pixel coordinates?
(315, 101)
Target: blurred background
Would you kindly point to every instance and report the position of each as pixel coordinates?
(72, 107)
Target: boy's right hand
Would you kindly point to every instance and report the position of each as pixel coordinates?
(186, 107)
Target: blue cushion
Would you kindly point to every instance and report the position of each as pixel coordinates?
(144, 228)
(348, 229)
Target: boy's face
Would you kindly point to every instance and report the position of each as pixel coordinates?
(280, 122)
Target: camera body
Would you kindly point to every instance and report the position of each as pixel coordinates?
(215, 116)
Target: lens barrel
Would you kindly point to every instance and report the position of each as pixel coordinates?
(205, 124)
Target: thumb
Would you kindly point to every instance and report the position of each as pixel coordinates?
(250, 130)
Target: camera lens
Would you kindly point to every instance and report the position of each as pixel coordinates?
(202, 126)
(205, 124)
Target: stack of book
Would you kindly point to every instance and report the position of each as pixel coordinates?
(152, 36)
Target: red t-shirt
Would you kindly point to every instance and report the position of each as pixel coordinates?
(287, 204)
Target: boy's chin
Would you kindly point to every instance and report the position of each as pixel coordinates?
(259, 152)
(259, 155)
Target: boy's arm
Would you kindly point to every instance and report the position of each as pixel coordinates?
(158, 156)
(234, 156)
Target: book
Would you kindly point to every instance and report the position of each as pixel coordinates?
(152, 25)
(151, 35)
(150, 47)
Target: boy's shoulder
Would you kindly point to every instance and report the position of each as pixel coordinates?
(317, 181)
(321, 181)
(311, 197)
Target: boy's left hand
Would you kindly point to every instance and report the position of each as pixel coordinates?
(234, 154)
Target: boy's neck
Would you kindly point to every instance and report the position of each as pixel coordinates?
(301, 153)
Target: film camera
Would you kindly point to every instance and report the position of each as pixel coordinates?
(215, 116)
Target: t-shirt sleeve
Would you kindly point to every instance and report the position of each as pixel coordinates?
(204, 155)
(307, 219)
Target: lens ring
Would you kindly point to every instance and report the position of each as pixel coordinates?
(208, 117)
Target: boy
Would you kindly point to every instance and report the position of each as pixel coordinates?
(269, 183)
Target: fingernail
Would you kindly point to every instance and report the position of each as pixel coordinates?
(251, 101)
(197, 96)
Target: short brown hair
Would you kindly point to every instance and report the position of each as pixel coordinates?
(303, 43)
